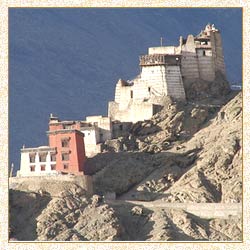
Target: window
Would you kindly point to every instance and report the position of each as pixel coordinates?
(101, 137)
(69, 126)
(32, 168)
(53, 166)
(53, 157)
(149, 89)
(204, 52)
(65, 156)
(32, 158)
(42, 167)
(65, 143)
(120, 127)
(65, 166)
(131, 94)
(42, 157)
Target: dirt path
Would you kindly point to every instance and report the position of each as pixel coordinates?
(203, 210)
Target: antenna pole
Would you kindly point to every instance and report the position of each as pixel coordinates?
(161, 41)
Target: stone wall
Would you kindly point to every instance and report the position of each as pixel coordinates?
(51, 184)
(120, 129)
(206, 64)
(217, 50)
(136, 111)
(175, 86)
(162, 50)
(104, 125)
(189, 62)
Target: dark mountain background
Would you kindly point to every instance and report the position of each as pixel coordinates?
(67, 61)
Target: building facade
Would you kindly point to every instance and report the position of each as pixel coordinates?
(167, 71)
(38, 161)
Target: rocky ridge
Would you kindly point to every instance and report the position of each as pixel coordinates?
(188, 152)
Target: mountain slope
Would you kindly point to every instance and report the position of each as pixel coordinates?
(203, 164)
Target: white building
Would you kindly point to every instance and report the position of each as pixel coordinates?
(167, 71)
(37, 161)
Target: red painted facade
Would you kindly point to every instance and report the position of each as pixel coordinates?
(69, 144)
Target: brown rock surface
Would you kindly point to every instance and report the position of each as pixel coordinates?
(186, 153)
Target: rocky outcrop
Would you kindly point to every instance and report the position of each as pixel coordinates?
(203, 168)
(24, 208)
(216, 176)
(201, 89)
(174, 225)
(185, 153)
(72, 217)
(122, 170)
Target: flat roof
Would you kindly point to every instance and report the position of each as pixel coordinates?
(38, 149)
(65, 131)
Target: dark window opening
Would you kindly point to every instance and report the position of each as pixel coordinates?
(121, 127)
(101, 137)
(53, 167)
(65, 143)
(149, 89)
(131, 94)
(32, 168)
(32, 158)
(204, 52)
(42, 167)
(42, 157)
(65, 166)
(65, 156)
(53, 157)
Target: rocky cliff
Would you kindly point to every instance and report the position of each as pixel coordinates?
(188, 152)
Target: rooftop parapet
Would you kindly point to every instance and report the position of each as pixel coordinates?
(64, 131)
(39, 149)
(165, 50)
(159, 59)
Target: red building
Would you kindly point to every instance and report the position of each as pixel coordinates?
(70, 150)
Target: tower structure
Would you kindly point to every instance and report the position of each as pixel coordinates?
(69, 144)
(202, 55)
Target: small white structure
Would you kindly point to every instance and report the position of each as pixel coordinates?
(104, 126)
(37, 161)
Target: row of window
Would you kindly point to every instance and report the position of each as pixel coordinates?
(52, 167)
(43, 167)
(42, 157)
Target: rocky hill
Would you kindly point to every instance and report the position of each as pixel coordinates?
(192, 152)
(72, 216)
(188, 152)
